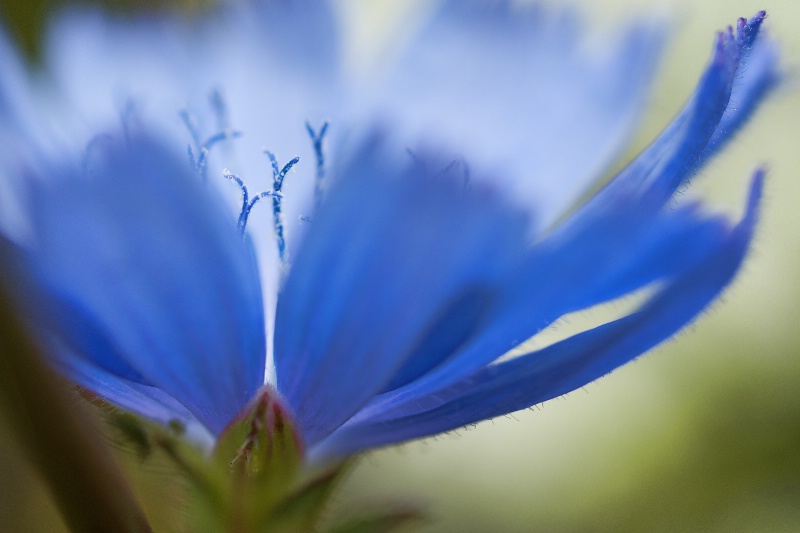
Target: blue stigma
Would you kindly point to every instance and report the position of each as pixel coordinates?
(220, 109)
(278, 175)
(202, 148)
(247, 202)
(198, 150)
(319, 153)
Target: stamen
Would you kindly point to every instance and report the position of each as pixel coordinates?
(202, 148)
(220, 109)
(246, 212)
(245, 194)
(201, 162)
(191, 126)
(192, 161)
(247, 203)
(221, 136)
(126, 117)
(278, 176)
(317, 139)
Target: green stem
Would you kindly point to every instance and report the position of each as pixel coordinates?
(60, 438)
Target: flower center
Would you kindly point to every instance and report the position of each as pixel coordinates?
(198, 151)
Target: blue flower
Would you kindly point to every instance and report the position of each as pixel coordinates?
(379, 296)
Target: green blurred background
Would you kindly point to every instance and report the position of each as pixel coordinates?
(703, 434)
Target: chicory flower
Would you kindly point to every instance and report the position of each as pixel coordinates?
(399, 263)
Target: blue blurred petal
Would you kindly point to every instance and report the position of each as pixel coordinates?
(517, 88)
(415, 275)
(151, 282)
(275, 63)
(627, 248)
(560, 368)
(304, 30)
(386, 260)
(742, 72)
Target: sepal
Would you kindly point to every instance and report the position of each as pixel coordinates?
(257, 477)
(261, 449)
(262, 454)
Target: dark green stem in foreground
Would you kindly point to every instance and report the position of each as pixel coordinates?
(60, 438)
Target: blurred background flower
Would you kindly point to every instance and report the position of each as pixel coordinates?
(702, 437)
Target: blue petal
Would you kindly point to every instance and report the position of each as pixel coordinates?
(757, 77)
(152, 279)
(742, 72)
(564, 366)
(388, 259)
(511, 86)
(77, 345)
(147, 401)
(74, 333)
(628, 247)
(302, 31)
